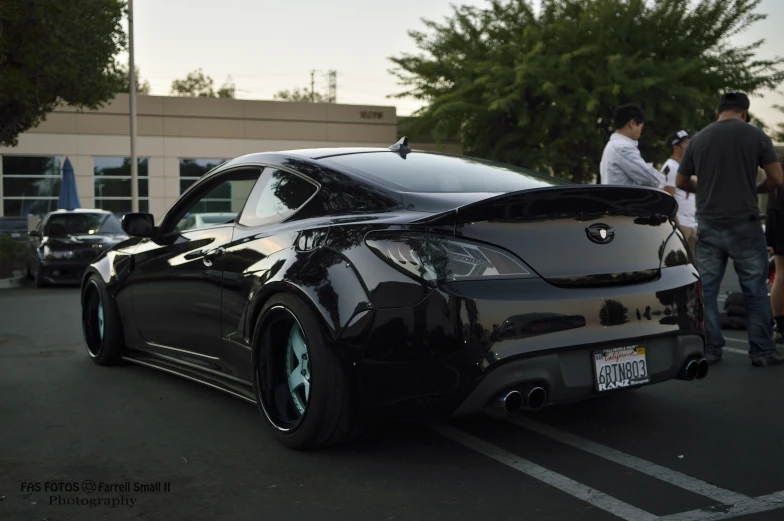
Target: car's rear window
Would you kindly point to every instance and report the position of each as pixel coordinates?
(421, 172)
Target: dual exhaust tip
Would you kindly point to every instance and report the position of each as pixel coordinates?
(531, 398)
(696, 368)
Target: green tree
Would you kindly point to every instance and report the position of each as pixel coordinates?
(300, 95)
(778, 134)
(198, 85)
(54, 52)
(142, 87)
(538, 89)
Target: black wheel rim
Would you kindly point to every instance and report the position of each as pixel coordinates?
(283, 370)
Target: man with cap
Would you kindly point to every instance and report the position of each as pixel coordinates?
(725, 157)
(686, 218)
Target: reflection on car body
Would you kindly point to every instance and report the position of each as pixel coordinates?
(354, 285)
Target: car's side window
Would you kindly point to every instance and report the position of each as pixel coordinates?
(276, 196)
(219, 202)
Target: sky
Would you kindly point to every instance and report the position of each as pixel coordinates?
(271, 45)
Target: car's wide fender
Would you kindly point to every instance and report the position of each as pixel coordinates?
(324, 279)
(113, 265)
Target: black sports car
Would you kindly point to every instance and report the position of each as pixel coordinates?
(347, 286)
(65, 242)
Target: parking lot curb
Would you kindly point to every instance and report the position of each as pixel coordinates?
(17, 281)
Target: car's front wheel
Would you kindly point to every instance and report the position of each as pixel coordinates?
(302, 387)
(38, 276)
(101, 324)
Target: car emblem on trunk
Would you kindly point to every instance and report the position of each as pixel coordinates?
(600, 233)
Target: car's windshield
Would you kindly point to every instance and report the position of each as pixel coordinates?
(83, 224)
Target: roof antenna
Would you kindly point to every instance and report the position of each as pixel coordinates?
(401, 147)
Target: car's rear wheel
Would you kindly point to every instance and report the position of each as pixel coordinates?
(302, 387)
(101, 324)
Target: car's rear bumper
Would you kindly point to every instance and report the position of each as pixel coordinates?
(570, 375)
(467, 341)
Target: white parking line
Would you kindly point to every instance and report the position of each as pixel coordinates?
(673, 477)
(573, 488)
(743, 508)
(735, 350)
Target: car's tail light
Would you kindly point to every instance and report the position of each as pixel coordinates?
(436, 259)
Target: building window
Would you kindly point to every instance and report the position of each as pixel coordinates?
(192, 169)
(112, 178)
(31, 184)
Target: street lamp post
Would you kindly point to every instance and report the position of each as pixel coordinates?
(132, 107)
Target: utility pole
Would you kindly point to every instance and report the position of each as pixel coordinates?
(132, 107)
(312, 86)
(332, 97)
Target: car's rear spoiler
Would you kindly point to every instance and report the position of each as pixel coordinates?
(581, 201)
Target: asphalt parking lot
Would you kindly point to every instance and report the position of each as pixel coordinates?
(679, 451)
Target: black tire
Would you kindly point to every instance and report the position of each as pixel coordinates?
(330, 415)
(109, 347)
(38, 276)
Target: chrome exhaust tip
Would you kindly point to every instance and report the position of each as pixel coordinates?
(535, 398)
(506, 403)
(702, 368)
(690, 370)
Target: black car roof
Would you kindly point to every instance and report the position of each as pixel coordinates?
(320, 153)
(77, 211)
(304, 153)
(80, 210)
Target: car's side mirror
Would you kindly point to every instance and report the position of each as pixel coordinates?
(138, 224)
(33, 233)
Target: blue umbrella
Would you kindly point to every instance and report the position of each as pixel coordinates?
(69, 197)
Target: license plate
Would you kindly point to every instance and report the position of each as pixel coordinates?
(621, 367)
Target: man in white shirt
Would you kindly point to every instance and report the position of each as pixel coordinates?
(622, 163)
(687, 207)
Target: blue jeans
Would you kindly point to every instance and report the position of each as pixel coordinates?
(745, 244)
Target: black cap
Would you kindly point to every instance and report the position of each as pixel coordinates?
(734, 99)
(676, 138)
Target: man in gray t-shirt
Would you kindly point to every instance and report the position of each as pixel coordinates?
(725, 157)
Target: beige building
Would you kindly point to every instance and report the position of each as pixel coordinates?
(179, 139)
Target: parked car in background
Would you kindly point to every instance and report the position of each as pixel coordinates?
(373, 283)
(65, 242)
(14, 227)
(200, 220)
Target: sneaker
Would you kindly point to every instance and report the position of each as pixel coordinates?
(713, 358)
(778, 337)
(777, 358)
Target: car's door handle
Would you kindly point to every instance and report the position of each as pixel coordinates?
(213, 255)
